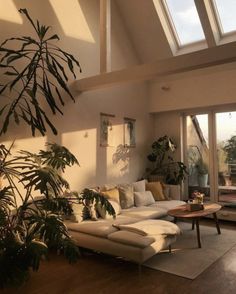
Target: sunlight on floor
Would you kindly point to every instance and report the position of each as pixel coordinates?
(12, 14)
(72, 20)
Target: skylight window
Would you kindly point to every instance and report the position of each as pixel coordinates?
(225, 11)
(184, 20)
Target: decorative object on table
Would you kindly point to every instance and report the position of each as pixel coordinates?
(196, 203)
(129, 132)
(194, 206)
(165, 167)
(106, 129)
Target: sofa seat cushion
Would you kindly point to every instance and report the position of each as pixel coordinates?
(167, 205)
(100, 228)
(133, 239)
(145, 212)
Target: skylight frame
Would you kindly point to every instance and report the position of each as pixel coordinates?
(173, 29)
(218, 21)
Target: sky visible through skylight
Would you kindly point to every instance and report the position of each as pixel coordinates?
(186, 20)
(227, 13)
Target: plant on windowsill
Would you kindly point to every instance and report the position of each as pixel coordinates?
(36, 72)
(165, 167)
(202, 170)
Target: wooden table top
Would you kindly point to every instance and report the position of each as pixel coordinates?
(181, 211)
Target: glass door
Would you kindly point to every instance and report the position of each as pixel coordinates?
(197, 137)
(226, 155)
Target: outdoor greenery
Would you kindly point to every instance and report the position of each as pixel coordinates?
(230, 150)
(29, 225)
(174, 172)
(201, 166)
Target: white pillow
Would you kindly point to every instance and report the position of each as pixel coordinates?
(139, 186)
(104, 214)
(143, 198)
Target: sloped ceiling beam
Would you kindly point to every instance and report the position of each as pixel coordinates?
(208, 23)
(196, 60)
(105, 36)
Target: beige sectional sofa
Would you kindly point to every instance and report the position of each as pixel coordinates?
(104, 235)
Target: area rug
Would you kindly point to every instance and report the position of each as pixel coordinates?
(186, 259)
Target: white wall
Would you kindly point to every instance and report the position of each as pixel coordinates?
(77, 22)
(194, 90)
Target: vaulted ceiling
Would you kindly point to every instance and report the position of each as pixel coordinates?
(145, 30)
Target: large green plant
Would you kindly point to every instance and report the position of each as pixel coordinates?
(43, 74)
(37, 73)
(173, 172)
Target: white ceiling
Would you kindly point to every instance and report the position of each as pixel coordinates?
(145, 30)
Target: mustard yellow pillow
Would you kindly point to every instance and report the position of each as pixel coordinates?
(157, 190)
(112, 194)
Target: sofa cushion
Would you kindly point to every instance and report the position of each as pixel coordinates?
(102, 211)
(100, 228)
(156, 189)
(132, 239)
(126, 193)
(139, 186)
(144, 212)
(143, 198)
(169, 204)
(112, 194)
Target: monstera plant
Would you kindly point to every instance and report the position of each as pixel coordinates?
(171, 171)
(31, 184)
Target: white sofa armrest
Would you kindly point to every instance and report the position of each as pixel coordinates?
(175, 191)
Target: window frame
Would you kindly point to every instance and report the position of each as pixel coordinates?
(173, 30)
(228, 36)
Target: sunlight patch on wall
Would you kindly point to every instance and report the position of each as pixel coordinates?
(9, 12)
(72, 19)
(83, 144)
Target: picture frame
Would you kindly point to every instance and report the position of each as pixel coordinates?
(129, 132)
(106, 129)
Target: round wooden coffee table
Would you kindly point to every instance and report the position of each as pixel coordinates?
(183, 213)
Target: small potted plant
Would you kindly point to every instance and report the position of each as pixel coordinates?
(202, 169)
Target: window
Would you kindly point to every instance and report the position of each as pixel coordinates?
(225, 15)
(211, 155)
(184, 21)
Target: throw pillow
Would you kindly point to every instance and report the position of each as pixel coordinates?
(143, 198)
(103, 213)
(77, 214)
(112, 194)
(156, 189)
(126, 193)
(139, 186)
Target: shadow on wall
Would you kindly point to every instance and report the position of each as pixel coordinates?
(122, 155)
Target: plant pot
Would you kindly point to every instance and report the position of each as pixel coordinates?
(156, 178)
(202, 180)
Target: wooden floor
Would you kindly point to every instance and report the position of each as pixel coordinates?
(95, 273)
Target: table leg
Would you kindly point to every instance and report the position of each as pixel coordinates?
(198, 233)
(217, 223)
(175, 220)
(193, 223)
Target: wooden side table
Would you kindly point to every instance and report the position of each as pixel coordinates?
(183, 213)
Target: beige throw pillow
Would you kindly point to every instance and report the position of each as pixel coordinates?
(157, 190)
(112, 194)
(139, 186)
(126, 193)
(143, 198)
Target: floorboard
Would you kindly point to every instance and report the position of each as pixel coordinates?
(96, 273)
